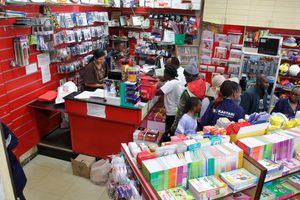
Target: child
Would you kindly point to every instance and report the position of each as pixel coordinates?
(172, 90)
(188, 123)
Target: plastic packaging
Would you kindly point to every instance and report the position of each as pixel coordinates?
(99, 171)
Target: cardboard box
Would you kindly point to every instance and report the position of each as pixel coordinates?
(82, 164)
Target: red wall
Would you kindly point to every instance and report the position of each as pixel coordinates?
(18, 89)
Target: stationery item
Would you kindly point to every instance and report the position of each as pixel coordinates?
(21, 49)
(279, 190)
(290, 165)
(239, 179)
(295, 180)
(275, 170)
(207, 187)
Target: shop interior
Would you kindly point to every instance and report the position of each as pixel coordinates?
(149, 99)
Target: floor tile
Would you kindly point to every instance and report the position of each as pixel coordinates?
(52, 179)
(57, 183)
(46, 161)
(40, 195)
(104, 196)
(84, 189)
(35, 174)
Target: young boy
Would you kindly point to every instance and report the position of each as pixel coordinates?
(172, 90)
(188, 123)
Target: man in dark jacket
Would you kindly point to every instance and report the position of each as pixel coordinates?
(19, 177)
(255, 99)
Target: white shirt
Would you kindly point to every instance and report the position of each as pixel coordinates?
(181, 76)
(172, 91)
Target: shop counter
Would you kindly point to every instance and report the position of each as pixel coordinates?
(98, 128)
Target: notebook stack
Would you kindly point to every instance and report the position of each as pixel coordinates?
(177, 193)
(207, 187)
(276, 191)
(175, 170)
(239, 179)
(274, 169)
(290, 165)
(259, 147)
(294, 180)
(164, 172)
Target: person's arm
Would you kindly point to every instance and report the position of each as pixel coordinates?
(246, 102)
(205, 104)
(181, 127)
(94, 85)
(180, 109)
(207, 118)
(165, 89)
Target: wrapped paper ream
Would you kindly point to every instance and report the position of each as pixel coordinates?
(207, 187)
(239, 179)
(248, 131)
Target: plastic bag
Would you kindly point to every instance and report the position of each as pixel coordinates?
(99, 171)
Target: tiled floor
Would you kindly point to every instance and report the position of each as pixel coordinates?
(52, 179)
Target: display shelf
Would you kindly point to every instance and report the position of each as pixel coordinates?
(248, 163)
(289, 61)
(149, 193)
(53, 4)
(288, 77)
(130, 27)
(283, 176)
(260, 54)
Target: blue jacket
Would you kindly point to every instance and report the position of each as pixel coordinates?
(250, 101)
(18, 174)
(227, 108)
(283, 106)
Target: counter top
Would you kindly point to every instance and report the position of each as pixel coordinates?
(95, 100)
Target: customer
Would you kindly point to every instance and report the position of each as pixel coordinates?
(225, 105)
(95, 72)
(255, 99)
(176, 63)
(196, 87)
(289, 106)
(18, 174)
(172, 91)
(212, 93)
(188, 123)
(114, 57)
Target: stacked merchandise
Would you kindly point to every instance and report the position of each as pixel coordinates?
(276, 190)
(207, 187)
(275, 170)
(178, 193)
(239, 179)
(192, 169)
(276, 146)
(130, 91)
(220, 54)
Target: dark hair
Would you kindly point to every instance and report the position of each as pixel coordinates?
(191, 103)
(98, 53)
(118, 42)
(171, 71)
(227, 89)
(175, 62)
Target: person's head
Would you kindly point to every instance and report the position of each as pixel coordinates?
(217, 81)
(262, 82)
(193, 104)
(230, 89)
(191, 72)
(173, 61)
(99, 56)
(119, 46)
(170, 72)
(295, 95)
